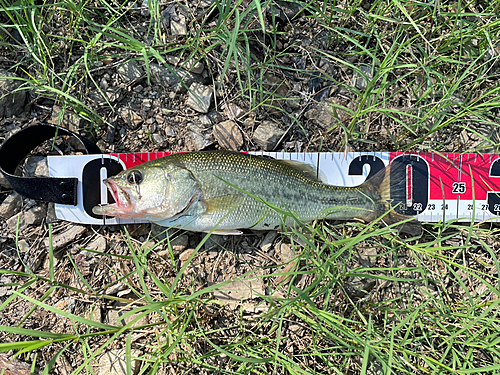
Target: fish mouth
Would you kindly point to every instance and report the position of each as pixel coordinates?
(120, 196)
(122, 200)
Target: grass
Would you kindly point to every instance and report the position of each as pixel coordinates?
(354, 298)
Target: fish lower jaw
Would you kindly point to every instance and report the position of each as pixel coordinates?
(114, 210)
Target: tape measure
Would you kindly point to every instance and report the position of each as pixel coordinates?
(465, 187)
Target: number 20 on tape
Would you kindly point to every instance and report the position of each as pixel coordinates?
(438, 186)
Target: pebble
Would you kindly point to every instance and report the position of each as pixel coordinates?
(205, 120)
(130, 117)
(233, 112)
(36, 166)
(161, 75)
(179, 243)
(13, 102)
(199, 137)
(13, 221)
(35, 215)
(66, 304)
(169, 132)
(11, 205)
(70, 120)
(99, 245)
(267, 241)
(145, 8)
(322, 114)
(359, 79)
(178, 27)
(194, 66)
(67, 236)
(228, 135)
(214, 241)
(267, 135)
(200, 97)
(111, 95)
(240, 290)
(185, 255)
(4, 182)
(158, 140)
(131, 70)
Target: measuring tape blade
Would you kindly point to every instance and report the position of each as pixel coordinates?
(439, 187)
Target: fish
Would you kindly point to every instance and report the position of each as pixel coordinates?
(224, 192)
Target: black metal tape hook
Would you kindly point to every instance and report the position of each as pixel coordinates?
(49, 189)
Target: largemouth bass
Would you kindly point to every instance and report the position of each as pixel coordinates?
(230, 191)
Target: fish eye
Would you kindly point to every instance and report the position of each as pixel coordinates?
(134, 177)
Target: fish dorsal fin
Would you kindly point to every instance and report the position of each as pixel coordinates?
(309, 170)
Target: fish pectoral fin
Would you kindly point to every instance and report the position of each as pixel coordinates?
(224, 203)
(225, 232)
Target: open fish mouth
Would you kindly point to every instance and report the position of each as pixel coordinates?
(120, 196)
(122, 202)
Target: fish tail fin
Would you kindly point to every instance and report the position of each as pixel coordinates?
(387, 189)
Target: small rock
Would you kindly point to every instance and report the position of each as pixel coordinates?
(169, 132)
(4, 182)
(36, 166)
(233, 112)
(158, 140)
(267, 135)
(205, 120)
(168, 15)
(177, 79)
(111, 95)
(11, 101)
(200, 97)
(13, 225)
(94, 313)
(13, 366)
(179, 243)
(131, 70)
(69, 235)
(67, 305)
(286, 254)
(214, 241)
(241, 290)
(199, 137)
(35, 215)
(267, 241)
(99, 245)
(359, 79)
(178, 27)
(67, 118)
(145, 8)
(322, 114)
(194, 66)
(228, 135)
(11, 205)
(130, 117)
(185, 255)
(464, 138)
(114, 362)
(51, 214)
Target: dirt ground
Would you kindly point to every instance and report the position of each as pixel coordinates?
(310, 101)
